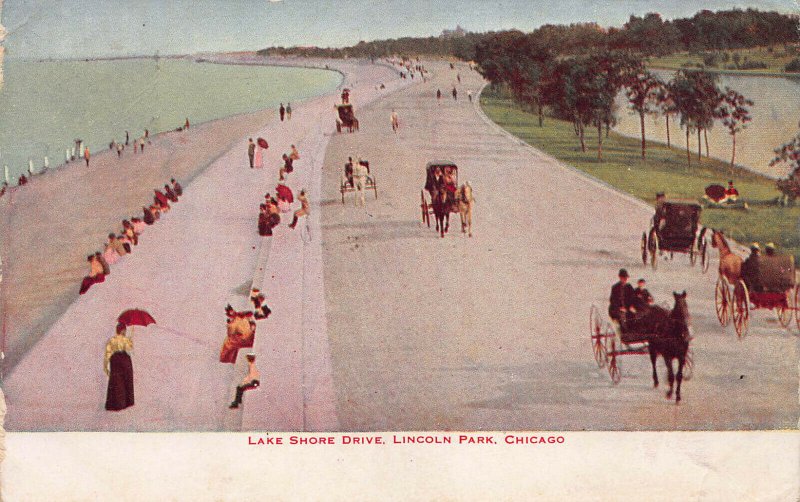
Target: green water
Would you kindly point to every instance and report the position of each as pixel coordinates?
(45, 106)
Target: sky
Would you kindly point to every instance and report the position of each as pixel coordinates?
(86, 28)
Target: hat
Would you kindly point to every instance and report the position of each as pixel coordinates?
(641, 279)
(659, 194)
(755, 246)
(623, 273)
(770, 245)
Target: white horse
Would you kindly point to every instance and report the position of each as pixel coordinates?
(465, 202)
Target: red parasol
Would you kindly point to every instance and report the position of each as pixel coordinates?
(262, 143)
(715, 192)
(284, 193)
(161, 198)
(135, 317)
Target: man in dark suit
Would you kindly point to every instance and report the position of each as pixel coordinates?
(251, 151)
(621, 301)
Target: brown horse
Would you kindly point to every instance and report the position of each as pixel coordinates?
(730, 264)
(465, 202)
(441, 203)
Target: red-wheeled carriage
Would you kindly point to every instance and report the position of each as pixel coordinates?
(767, 282)
(607, 354)
(674, 229)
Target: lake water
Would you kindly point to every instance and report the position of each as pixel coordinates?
(776, 112)
(45, 106)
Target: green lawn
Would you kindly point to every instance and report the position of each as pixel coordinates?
(776, 60)
(664, 170)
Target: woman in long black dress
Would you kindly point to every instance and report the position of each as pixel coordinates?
(119, 368)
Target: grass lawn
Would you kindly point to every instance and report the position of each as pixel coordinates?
(776, 60)
(665, 170)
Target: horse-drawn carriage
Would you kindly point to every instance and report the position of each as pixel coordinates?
(347, 183)
(665, 333)
(674, 229)
(767, 282)
(441, 183)
(347, 118)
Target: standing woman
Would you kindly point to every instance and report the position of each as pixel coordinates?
(119, 368)
(258, 160)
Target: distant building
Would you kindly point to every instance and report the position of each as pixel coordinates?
(457, 33)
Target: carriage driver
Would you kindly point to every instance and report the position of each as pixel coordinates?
(660, 218)
(621, 302)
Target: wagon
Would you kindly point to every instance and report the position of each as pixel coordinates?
(769, 283)
(438, 175)
(674, 229)
(346, 184)
(607, 354)
(347, 118)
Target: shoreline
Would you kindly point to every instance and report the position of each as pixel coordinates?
(36, 292)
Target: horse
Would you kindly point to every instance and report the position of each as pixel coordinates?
(465, 202)
(730, 264)
(441, 210)
(670, 340)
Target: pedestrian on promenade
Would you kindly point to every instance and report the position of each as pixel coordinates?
(282, 111)
(127, 138)
(135, 146)
(120, 146)
(304, 208)
(119, 368)
(288, 111)
(294, 154)
(458, 77)
(176, 187)
(287, 167)
(438, 94)
(250, 381)
(259, 157)
(147, 136)
(186, 124)
(251, 151)
(455, 93)
(469, 95)
(86, 155)
(360, 181)
(395, 121)
(141, 144)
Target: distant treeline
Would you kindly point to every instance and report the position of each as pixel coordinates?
(650, 35)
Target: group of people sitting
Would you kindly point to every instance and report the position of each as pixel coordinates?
(750, 266)
(119, 245)
(269, 214)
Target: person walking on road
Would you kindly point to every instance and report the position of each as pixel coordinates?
(251, 151)
(250, 381)
(86, 155)
(469, 95)
(455, 94)
(395, 121)
(438, 94)
(282, 112)
(304, 208)
(288, 111)
(360, 181)
(119, 368)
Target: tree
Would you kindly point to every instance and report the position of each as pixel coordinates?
(789, 154)
(735, 115)
(666, 105)
(696, 98)
(642, 88)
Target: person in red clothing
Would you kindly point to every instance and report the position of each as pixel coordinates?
(731, 194)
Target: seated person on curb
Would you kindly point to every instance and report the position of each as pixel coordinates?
(259, 301)
(621, 303)
(250, 381)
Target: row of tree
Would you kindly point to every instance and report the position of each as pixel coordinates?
(649, 35)
(583, 89)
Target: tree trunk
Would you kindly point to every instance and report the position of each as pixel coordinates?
(600, 142)
(705, 137)
(608, 130)
(699, 146)
(733, 154)
(644, 145)
(688, 152)
(580, 134)
(668, 143)
(541, 114)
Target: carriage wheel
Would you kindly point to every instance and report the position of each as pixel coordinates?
(704, 259)
(722, 300)
(784, 313)
(688, 365)
(374, 187)
(741, 309)
(652, 245)
(597, 337)
(338, 127)
(342, 191)
(644, 248)
(613, 363)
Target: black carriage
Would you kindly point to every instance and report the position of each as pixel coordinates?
(439, 175)
(674, 229)
(767, 282)
(607, 354)
(347, 118)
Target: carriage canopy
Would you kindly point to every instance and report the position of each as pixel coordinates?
(446, 169)
(345, 113)
(681, 220)
(773, 274)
